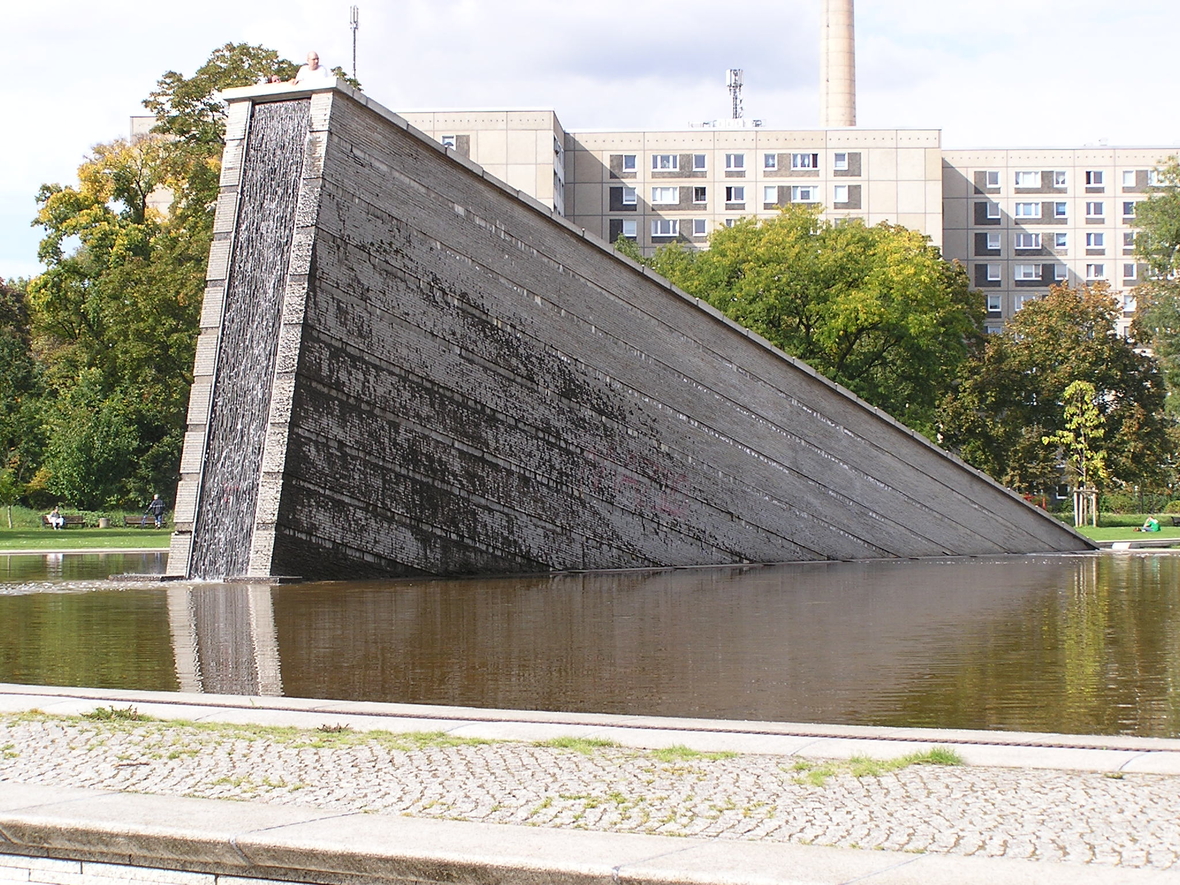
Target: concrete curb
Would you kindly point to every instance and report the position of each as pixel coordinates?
(238, 839)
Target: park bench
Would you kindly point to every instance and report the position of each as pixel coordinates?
(140, 522)
(72, 519)
(1176, 520)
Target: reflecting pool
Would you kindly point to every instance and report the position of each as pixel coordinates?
(1084, 644)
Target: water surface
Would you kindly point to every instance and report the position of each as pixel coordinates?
(1083, 644)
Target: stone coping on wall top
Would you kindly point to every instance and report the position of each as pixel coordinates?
(249, 839)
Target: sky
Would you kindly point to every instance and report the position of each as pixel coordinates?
(1000, 73)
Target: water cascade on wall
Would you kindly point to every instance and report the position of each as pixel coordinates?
(246, 356)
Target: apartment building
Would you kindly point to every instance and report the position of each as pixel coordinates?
(1022, 220)
(1018, 220)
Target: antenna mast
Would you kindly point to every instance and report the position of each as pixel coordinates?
(733, 79)
(354, 22)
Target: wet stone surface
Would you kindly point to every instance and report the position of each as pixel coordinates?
(1060, 816)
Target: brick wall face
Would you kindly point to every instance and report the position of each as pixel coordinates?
(480, 388)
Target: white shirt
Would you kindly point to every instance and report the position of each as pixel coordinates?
(321, 76)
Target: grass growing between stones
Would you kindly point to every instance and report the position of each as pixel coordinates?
(585, 746)
(681, 753)
(817, 775)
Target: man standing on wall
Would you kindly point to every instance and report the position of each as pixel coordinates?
(313, 73)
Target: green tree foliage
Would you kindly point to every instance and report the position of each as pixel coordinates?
(1157, 316)
(875, 309)
(188, 108)
(1010, 395)
(114, 315)
(1078, 440)
(20, 390)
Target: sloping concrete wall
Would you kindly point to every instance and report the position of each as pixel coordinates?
(464, 383)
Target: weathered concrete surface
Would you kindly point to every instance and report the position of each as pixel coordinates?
(460, 382)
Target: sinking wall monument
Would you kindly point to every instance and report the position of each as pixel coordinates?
(405, 367)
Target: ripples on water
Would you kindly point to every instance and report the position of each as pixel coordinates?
(1084, 644)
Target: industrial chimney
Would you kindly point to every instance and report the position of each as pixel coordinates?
(837, 67)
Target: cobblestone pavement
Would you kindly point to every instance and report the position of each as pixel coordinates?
(1128, 820)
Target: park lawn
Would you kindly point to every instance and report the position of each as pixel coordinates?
(17, 539)
(1128, 533)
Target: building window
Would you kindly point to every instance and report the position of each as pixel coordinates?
(991, 178)
(1128, 209)
(1129, 239)
(804, 161)
(1096, 240)
(994, 241)
(1028, 210)
(1028, 241)
(840, 194)
(630, 228)
(1095, 271)
(698, 163)
(995, 272)
(629, 196)
(1026, 272)
(729, 222)
(1129, 271)
(1059, 178)
(447, 140)
(665, 162)
(770, 161)
(1061, 241)
(995, 302)
(629, 163)
(698, 227)
(770, 193)
(993, 210)
(1095, 209)
(840, 161)
(665, 227)
(1129, 178)
(1022, 300)
(665, 195)
(1060, 272)
(700, 195)
(1094, 178)
(1028, 179)
(1060, 210)
(735, 161)
(805, 193)
(735, 193)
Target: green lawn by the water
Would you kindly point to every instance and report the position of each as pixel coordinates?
(17, 539)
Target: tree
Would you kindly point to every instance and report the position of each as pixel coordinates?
(20, 392)
(1157, 315)
(189, 110)
(1085, 464)
(875, 309)
(1009, 396)
(114, 315)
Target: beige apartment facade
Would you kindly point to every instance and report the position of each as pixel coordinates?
(1022, 220)
(1017, 220)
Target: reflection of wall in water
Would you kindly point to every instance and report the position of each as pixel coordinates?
(809, 642)
(224, 639)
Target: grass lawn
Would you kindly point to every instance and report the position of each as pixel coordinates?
(1128, 533)
(17, 539)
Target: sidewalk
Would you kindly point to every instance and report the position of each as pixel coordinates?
(1036, 808)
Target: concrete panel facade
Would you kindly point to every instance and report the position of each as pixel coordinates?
(467, 383)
